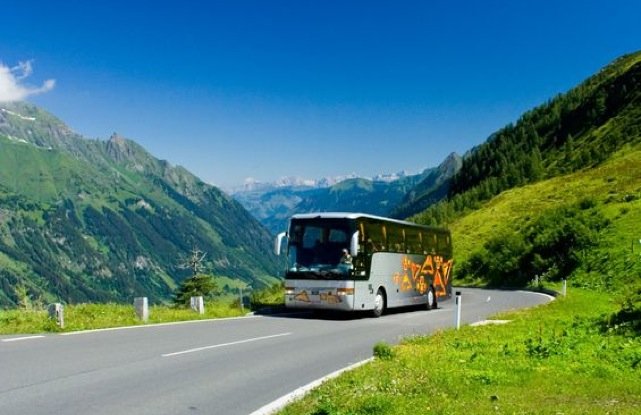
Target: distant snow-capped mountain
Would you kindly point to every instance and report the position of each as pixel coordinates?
(274, 203)
(296, 182)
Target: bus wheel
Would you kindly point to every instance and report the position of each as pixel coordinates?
(379, 304)
(431, 299)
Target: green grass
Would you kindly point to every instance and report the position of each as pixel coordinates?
(97, 316)
(615, 187)
(553, 359)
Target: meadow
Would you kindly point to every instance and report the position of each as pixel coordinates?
(565, 357)
(99, 316)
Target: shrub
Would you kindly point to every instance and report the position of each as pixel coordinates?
(628, 318)
(383, 351)
(552, 246)
(268, 297)
(199, 284)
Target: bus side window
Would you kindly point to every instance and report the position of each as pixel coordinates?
(395, 239)
(412, 241)
(429, 243)
(444, 244)
(370, 246)
(375, 237)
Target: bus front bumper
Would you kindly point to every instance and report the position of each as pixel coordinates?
(322, 299)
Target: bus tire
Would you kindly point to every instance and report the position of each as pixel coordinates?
(379, 304)
(431, 299)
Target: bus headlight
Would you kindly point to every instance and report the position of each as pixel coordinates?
(289, 290)
(344, 291)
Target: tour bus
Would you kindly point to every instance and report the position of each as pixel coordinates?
(355, 261)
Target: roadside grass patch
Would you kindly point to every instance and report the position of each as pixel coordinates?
(98, 316)
(383, 351)
(556, 358)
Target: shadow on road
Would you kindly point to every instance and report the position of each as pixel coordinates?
(331, 315)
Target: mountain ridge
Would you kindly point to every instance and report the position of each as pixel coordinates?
(572, 131)
(104, 220)
(381, 195)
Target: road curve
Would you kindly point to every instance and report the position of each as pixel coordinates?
(231, 366)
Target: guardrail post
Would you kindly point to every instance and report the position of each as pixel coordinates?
(564, 290)
(197, 304)
(57, 312)
(457, 311)
(142, 308)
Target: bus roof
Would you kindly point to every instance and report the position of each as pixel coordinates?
(353, 215)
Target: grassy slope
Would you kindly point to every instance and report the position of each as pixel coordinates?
(615, 186)
(548, 360)
(553, 359)
(47, 176)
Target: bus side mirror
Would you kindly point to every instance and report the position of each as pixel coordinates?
(279, 242)
(353, 244)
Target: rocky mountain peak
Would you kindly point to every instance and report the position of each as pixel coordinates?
(451, 164)
(125, 151)
(117, 139)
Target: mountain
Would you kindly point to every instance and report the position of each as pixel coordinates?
(558, 194)
(290, 182)
(94, 220)
(274, 204)
(431, 189)
(358, 195)
(574, 131)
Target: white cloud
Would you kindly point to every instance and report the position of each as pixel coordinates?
(13, 89)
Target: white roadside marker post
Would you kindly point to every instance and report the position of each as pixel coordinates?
(57, 312)
(142, 308)
(457, 314)
(198, 304)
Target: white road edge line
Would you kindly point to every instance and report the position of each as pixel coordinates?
(281, 402)
(199, 349)
(550, 297)
(17, 339)
(147, 326)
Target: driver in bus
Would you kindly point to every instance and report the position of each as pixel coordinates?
(346, 258)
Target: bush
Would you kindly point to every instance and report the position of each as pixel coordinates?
(268, 297)
(383, 351)
(198, 285)
(552, 246)
(628, 318)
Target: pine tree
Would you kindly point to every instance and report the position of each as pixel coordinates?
(199, 284)
(536, 165)
(568, 153)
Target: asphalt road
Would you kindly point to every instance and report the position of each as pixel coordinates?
(232, 366)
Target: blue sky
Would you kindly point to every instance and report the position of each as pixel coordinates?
(266, 89)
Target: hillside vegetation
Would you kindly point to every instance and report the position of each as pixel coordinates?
(574, 131)
(572, 208)
(590, 218)
(90, 220)
(550, 194)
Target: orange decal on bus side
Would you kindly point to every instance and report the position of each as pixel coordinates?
(414, 275)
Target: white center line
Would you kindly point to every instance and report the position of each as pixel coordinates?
(17, 339)
(198, 349)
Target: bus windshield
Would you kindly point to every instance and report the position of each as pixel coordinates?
(320, 248)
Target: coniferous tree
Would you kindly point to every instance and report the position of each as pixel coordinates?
(199, 284)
